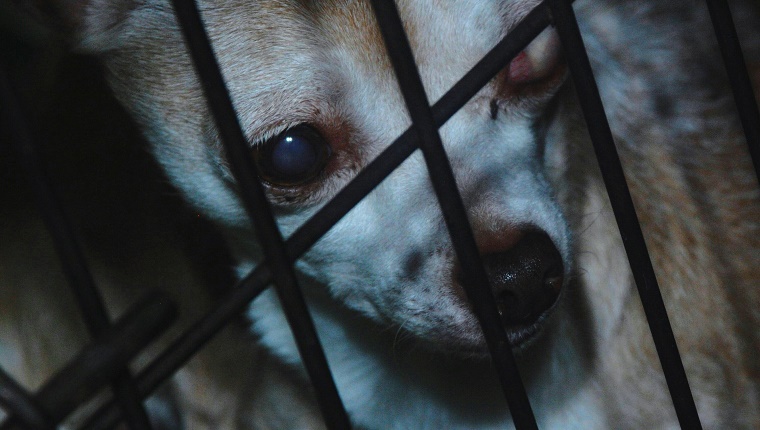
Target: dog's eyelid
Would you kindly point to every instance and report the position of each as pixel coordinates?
(267, 133)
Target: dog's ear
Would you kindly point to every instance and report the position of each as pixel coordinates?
(90, 25)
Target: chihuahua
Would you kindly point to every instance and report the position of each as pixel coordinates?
(317, 99)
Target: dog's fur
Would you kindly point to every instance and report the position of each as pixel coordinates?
(404, 347)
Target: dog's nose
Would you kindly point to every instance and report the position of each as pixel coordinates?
(526, 278)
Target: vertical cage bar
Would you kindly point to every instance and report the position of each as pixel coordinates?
(68, 249)
(625, 213)
(259, 211)
(455, 215)
(741, 84)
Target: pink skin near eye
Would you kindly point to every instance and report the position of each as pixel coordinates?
(537, 60)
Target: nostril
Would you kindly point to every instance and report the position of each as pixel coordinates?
(526, 278)
(512, 308)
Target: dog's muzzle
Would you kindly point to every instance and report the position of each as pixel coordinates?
(526, 279)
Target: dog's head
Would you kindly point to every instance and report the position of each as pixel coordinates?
(316, 96)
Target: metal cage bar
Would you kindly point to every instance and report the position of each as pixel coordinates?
(259, 211)
(75, 268)
(100, 361)
(741, 85)
(186, 345)
(625, 213)
(16, 399)
(476, 286)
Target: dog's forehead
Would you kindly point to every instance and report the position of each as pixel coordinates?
(287, 61)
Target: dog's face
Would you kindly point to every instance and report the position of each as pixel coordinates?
(316, 96)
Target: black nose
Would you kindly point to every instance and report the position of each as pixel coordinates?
(526, 279)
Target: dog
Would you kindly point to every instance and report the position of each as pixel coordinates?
(318, 100)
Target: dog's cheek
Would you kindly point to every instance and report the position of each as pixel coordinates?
(344, 265)
(361, 264)
(558, 130)
(380, 289)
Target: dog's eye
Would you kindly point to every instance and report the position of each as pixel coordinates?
(294, 157)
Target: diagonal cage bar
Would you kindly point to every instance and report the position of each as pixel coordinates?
(259, 211)
(72, 259)
(476, 286)
(625, 213)
(97, 364)
(312, 230)
(15, 399)
(741, 85)
(187, 344)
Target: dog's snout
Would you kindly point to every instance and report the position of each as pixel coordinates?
(526, 278)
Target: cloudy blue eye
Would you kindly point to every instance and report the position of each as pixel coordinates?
(295, 157)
